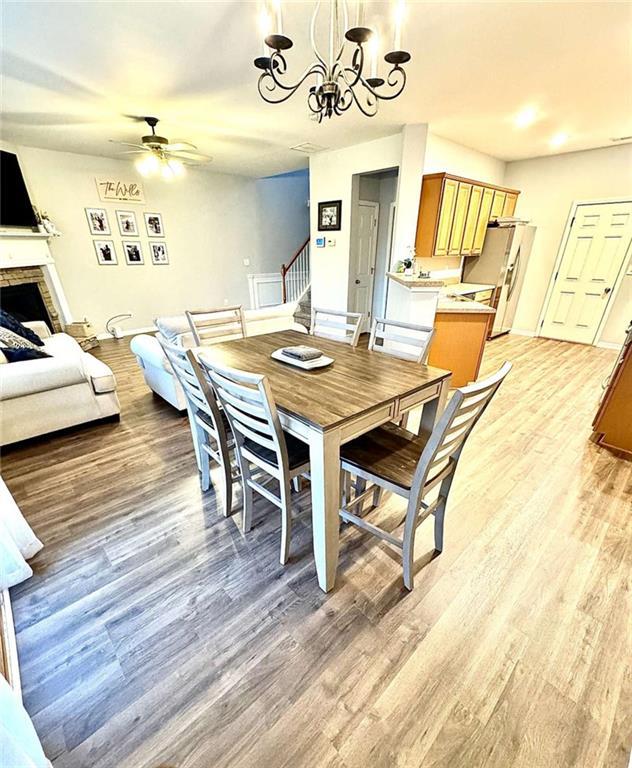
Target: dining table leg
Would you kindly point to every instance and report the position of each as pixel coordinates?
(324, 456)
(433, 409)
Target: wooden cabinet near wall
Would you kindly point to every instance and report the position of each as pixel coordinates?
(454, 213)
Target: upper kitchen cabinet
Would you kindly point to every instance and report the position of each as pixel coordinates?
(454, 213)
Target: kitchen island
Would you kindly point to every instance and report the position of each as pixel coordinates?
(461, 325)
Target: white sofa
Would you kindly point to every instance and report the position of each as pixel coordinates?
(156, 368)
(40, 396)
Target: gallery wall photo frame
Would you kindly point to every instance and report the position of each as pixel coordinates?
(133, 252)
(154, 225)
(128, 227)
(159, 253)
(98, 221)
(329, 214)
(106, 253)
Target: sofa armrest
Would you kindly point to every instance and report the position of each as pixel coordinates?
(149, 352)
(100, 375)
(39, 327)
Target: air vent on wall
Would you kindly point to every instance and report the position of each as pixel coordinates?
(308, 148)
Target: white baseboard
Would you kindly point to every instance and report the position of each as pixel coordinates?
(522, 332)
(130, 332)
(609, 344)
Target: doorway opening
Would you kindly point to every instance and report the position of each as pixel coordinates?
(373, 205)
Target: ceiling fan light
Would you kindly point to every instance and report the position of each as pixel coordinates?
(166, 171)
(177, 167)
(147, 165)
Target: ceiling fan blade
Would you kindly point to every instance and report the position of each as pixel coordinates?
(133, 152)
(129, 144)
(189, 155)
(180, 146)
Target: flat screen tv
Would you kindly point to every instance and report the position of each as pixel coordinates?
(15, 205)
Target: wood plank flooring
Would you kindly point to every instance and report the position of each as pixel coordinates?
(154, 634)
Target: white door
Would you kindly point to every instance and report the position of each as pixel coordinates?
(597, 247)
(363, 265)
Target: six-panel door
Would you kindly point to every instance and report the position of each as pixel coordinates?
(597, 249)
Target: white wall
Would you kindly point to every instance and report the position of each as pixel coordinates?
(331, 178)
(212, 222)
(443, 155)
(549, 185)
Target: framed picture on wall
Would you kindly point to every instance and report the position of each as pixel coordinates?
(105, 251)
(133, 252)
(153, 225)
(98, 221)
(329, 215)
(159, 253)
(127, 223)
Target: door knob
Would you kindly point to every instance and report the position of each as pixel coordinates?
(357, 282)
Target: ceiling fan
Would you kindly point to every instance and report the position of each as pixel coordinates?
(158, 156)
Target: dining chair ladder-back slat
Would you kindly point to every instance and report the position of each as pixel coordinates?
(404, 340)
(260, 441)
(211, 435)
(391, 458)
(337, 325)
(212, 325)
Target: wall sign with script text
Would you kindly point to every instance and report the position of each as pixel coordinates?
(116, 190)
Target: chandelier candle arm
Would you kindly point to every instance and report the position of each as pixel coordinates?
(337, 86)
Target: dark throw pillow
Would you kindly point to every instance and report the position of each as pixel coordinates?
(13, 324)
(19, 354)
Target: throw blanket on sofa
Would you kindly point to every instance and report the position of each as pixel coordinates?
(17, 542)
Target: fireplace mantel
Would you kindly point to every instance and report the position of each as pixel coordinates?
(27, 250)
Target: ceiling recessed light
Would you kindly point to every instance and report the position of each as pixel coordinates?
(558, 139)
(526, 117)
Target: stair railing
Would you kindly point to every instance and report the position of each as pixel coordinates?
(295, 275)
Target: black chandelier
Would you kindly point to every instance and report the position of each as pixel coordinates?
(337, 85)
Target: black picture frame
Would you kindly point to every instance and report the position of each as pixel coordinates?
(328, 220)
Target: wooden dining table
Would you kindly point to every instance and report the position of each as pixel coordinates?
(327, 407)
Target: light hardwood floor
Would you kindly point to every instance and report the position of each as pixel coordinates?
(154, 634)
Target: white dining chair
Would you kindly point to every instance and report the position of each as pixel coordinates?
(211, 433)
(212, 325)
(409, 465)
(260, 441)
(404, 340)
(336, 325)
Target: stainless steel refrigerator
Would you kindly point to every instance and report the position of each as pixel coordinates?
(502, 263)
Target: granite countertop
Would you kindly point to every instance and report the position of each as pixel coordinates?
(446, 302)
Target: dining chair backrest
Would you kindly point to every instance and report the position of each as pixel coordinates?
(441, 455)
(199, 396)
(212, 325)
(249, 405)
(336, 325)
(404, 340)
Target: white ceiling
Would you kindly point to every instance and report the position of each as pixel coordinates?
(74, 70)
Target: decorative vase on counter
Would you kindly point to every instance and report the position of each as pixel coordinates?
(408, 267)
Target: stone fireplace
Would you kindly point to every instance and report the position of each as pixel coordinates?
(25, 294)
(30, 287)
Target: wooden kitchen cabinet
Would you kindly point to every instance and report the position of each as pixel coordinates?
(510, 204)
(454, 213)
(482, 221)
(446, 214)
(459, 218)
(498, 204)
(471, 221)
(612, 426)
(458, 344)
